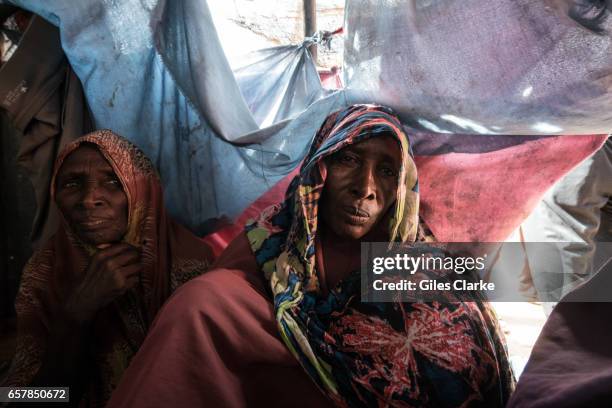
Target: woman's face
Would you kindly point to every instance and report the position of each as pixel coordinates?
(91, 198)
(361, 186)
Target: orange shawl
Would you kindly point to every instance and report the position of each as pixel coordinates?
(171, 255)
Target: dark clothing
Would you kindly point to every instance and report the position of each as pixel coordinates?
(44, 100)
(42, 108)
(571, 363)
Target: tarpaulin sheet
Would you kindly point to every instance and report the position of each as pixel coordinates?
(481, 66)
(154, 71)
(278, 83)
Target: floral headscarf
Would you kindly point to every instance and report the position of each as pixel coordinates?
(364, 354)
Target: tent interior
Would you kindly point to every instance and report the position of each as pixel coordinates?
(497, 112)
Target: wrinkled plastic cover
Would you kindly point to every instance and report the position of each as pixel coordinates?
(278, 83)
(154, 71)
(482, 66)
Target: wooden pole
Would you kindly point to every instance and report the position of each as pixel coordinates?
(310, 24)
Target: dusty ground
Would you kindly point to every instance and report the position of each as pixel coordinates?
(522, 323)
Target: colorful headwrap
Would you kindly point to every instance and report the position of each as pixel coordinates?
(364, 354)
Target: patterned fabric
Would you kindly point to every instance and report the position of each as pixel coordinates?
(373, 354)
(170, 256)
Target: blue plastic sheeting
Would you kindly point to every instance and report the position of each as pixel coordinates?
(481, 66)
(154, 71)
(278, 83)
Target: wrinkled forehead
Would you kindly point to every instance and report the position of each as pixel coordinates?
(84, 152)
(380, 143)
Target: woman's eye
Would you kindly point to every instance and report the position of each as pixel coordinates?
(346, 159)
(388, 172)
(70, 184)
(114, 182)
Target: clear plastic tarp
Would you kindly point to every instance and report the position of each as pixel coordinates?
(278, 83)
(481, 66)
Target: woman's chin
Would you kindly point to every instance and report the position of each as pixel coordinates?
(352, 232)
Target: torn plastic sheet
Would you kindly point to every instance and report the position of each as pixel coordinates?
(480, 66)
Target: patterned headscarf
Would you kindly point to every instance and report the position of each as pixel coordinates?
(322, 332)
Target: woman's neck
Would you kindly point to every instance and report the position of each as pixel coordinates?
(335, 243)
(341, 257)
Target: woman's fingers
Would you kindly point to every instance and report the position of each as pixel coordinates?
(111, 259)
(127, 256)
(130, 275)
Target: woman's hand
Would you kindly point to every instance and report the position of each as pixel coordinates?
(111, 272)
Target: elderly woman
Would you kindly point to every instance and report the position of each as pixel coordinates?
(88, 297)
(278, 320)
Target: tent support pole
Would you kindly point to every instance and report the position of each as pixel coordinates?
(310, 24)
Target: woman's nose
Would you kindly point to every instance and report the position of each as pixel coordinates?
(91, 197)
(364, 184)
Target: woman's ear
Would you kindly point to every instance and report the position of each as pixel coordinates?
(323, 164)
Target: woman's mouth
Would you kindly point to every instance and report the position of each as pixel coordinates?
(355, 215)
(92, 224)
